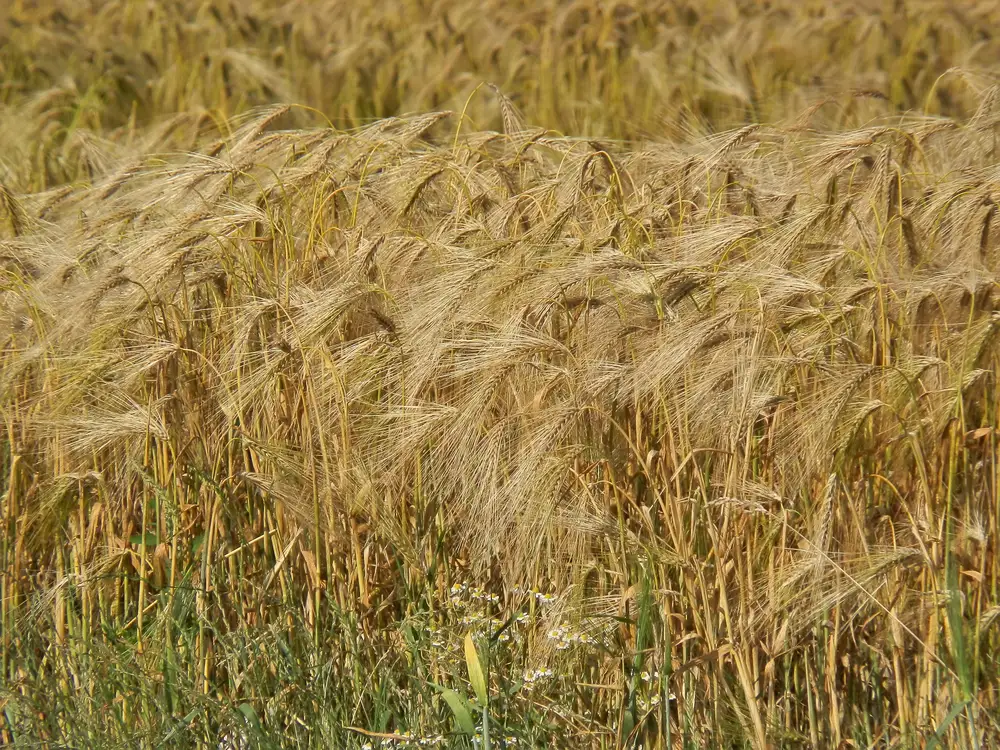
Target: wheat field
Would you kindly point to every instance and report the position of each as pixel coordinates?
(499, 374)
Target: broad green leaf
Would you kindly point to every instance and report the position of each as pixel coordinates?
(197, 543)
(458, 706)
(136, 539)
(942, 730)
(476, 675)
(250, 714)
(628, 724)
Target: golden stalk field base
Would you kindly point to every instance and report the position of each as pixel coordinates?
(564, 375)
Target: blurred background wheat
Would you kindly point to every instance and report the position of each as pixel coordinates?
(499, 374)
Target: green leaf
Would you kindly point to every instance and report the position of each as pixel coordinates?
(942, 730)
(250, 715)
(476, 675)
(136, 539)
(196, 543)
(459, 707)
(628, 724)
(178, 728)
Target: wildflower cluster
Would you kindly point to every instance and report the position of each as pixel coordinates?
(645, 705)
(652, 680)
(565, 637)
(477, 741)
(481, 625)
(536, 675)
(541, 597)
(462, 597)
(460, 591)
(406, 740)
(438, 637)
